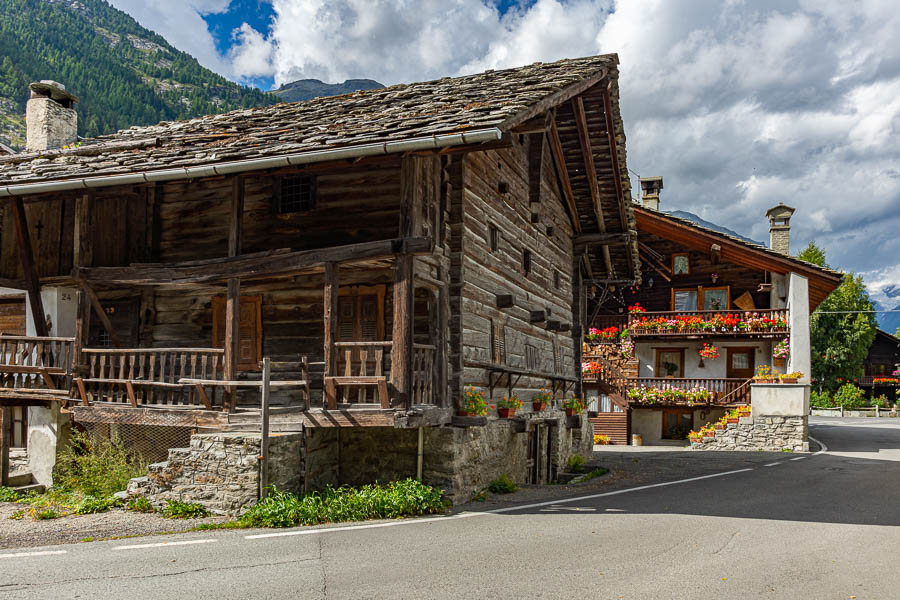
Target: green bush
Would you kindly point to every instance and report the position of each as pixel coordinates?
(176, 509)
(880, 401)
(96, 467)
(502, 485)
(820, 400)
(850, 397)
(576, 463)
(397, 499)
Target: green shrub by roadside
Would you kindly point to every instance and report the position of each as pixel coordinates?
(8, 494)
(96, 466)
(850, 397)
(90, 505)
(502, 485)
(880, 401)
(139, 504)
(396, 499)
(176, 509)
(820, 399)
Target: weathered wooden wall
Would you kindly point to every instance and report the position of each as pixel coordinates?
(496, 192)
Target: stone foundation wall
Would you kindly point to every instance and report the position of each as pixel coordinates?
(18, 460)
(772, 433)
(221, 471)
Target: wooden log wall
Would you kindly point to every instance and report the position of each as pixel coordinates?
(702, 266)
(496, 193)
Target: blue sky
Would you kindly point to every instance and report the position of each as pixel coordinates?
(739, 105)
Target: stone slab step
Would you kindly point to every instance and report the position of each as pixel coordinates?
(19, 479)
(37, 488)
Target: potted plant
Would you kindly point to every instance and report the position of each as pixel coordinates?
(708, 352)
(506, 408)
(707, 431)
(764, 374)
(733, 416)
(541, 400)
(744, 410)
(695, 436)
(573, 406)
(790, 377)
(590, 369)
(781, 352)
(473, 405)
(601, 439)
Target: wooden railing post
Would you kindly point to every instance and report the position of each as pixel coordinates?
(264, 438)
(26, 257)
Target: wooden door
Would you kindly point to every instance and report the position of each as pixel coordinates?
(360, 319)
(741, 363)
(249, 350)
(123, 315)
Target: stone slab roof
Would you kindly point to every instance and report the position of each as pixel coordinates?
(448, 105)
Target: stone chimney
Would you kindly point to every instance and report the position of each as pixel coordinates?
(50, 118)
(780, 228)
(650, 187)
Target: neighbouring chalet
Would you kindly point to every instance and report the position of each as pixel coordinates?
(880, 366)
(385, 249)
(700, 287)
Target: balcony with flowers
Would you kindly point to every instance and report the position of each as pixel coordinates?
(761, 323)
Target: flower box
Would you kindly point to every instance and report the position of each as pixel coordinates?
(506, 413)
(720, 425)
(733, 419)
(465, 413)
(789, 380)
(571, 412)
(538, 406)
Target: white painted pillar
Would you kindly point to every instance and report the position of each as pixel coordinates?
(60, 305)
(798, 304)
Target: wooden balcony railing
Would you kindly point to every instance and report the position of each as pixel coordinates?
(700, 323)
(880, 380)
(35, 363)
(364, 378)
(710, 322)
(725, 390)
(151, 376)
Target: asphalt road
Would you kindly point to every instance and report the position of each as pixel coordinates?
(772, 526)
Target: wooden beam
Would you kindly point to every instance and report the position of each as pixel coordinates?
(559, 159)
(83, 254)
(101, 314)
(655, 266)
(26, 256)
(614, 157)
(82, 324)
(601, 239)
(535, 172)
(126, 415)
(401, 349)
(590, 171)
(233, 291)
(253, 266)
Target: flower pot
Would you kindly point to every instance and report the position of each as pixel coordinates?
(789, 380)
(696, 439)
(764, 381)
(779, 362)
(733, 419)
(465, 413)
(570, 412)
(720, 426)
(538, 406)
(506, 413)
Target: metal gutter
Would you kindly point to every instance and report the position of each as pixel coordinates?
(255, 164)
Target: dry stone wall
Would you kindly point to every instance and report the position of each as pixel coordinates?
(771, 433)
(221, 471)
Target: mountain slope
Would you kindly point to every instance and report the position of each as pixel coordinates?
(307, 89)
(704, 223)
(122, 73)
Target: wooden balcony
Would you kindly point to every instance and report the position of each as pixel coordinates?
(35, 369)
(725, 391)
(699, 324)
(887, 381)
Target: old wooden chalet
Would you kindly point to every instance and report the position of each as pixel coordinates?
(646, 371)
(384, 249)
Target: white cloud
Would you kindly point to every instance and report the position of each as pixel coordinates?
(739, 104)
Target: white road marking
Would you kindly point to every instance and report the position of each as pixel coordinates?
(821, 443)
(491, 512)
(774, 464)
(161, 544)
(37, 553)
(799, 458)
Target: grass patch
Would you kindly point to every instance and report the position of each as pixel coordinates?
(502, 485)
(87, 539)
(8, 494)
(139, 504)
(176, 509)
(333, 505)
(598, 472)
(787, 449)
(222, 525)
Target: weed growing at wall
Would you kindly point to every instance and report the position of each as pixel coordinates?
(96, 466)
(502, 485)
(176, 509)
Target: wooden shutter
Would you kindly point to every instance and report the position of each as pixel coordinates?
(12, 317)
(249, 350)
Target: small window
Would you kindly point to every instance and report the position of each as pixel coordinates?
(556, 280)
(494, 237)
(532, 361)
(296, 194)
(526, 261)
(681, 264)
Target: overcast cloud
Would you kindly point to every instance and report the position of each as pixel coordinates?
(739, 105)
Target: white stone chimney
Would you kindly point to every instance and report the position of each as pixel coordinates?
(650, 187)
(50, 118)
(780, 228)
